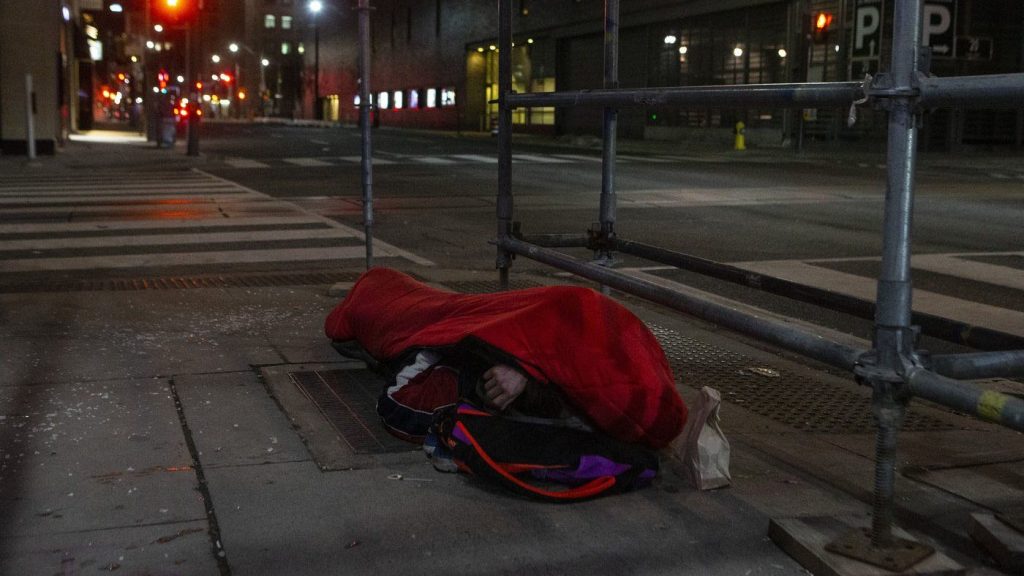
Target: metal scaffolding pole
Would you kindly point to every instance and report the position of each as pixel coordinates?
(807, 95)
(609, 129)
(782, 335)
(364, 124)
(893, 353)
(504, 200)
(893, 367)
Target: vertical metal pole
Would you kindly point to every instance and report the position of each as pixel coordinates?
(318, 113)
(364, 123)
(611, 119)
(192, 124)
(504, 200)
(30, 120)
(894, 339)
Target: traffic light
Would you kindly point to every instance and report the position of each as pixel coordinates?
(176, 11)
(820, 24)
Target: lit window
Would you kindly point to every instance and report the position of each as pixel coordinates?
(269, 21)
(414, 98)
(431, 98)
(382, 101)
(286, 22)
(398, 99)
(448, 97)
(285, 47)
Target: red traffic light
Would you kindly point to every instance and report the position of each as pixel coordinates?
(176, 11)
(822, 21)
(820, 24)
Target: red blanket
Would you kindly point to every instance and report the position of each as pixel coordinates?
(604, 359)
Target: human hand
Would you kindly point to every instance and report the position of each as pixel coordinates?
(502, 385)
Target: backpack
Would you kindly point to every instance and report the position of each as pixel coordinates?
(541, 458)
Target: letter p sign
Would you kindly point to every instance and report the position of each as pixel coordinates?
(866, 30)
(938, 27)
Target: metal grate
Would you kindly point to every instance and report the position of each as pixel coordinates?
(183, 282)
(489, 286)
(348, 400)
(792, 399)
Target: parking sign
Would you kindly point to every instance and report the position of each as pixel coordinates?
(939, 27)
(867, 28)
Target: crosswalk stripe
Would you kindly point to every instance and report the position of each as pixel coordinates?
(651, 159)
(245, 163)
(307, 162)
(87, 188)
(580, 157)
(961, 266)
(124, 199)
(476, 158)
(179, 212)
(1002, 319)
(434, 160)
(214, 206)
(358, 159)
(170, 223)
(539, 159)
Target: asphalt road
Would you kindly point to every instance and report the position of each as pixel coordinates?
(270, 197)
(815, 218)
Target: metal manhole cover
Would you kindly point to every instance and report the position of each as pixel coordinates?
(348, 400)
(796, 400)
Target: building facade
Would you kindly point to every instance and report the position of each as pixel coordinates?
(33, 44)
(434, 63)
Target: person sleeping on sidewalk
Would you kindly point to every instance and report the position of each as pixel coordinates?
(557, 352)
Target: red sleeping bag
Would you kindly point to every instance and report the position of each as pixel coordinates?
(603, 358)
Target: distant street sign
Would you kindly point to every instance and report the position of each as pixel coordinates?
(940, 27)
(974, 47)
(867, 28)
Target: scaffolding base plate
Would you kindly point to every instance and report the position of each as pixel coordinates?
(807, 540)
(900, 555)
(1002, 541)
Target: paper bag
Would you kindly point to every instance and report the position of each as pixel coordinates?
(705, 450)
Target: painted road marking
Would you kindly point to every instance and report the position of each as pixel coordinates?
(434, 160)
(358, 159)
(476, 158)
(307, 162)
(245, 163)
(187, 209)
(803, 272)
(539, 159)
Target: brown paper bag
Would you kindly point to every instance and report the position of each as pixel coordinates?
(704, 449)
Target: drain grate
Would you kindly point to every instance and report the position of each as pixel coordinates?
(792, 399)
(183, 282)
(489, 286)
(348, 400)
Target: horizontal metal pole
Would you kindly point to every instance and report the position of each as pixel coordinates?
(931, 325)
(990, 91)
(785, 336)
(557, 240)
(793, 95)
(985, 404)
(1006, 364)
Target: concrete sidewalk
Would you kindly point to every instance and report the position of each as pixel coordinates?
(160, 431)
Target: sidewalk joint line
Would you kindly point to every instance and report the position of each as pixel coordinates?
(220, 556)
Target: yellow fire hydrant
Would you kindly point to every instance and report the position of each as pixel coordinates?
(741, 139)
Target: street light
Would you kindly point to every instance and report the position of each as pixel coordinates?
(233, 47)
(315, 6)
